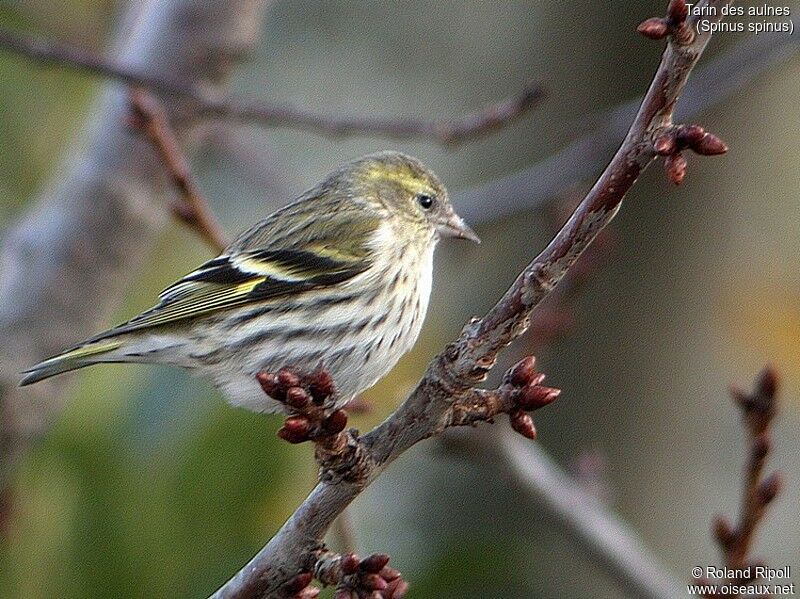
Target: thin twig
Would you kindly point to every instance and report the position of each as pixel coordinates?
(759, 408)
(192, 208)
(448, 132)
(451, 378)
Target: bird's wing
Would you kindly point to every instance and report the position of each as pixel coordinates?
(255, 275)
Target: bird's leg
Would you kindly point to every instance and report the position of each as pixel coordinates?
(310, 400)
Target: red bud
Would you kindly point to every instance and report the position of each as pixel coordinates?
(675, 168)
(374, 582)
(299, 582)
(297, 397)
(269, 383)
(287, 378)
(389, 573)
(321, 385)
(349, 563)
(295, 429)
(655, 28)
(710, 145)
(374, 563)
(723, 531)
(767, 383)
(336, 422)
(665, 145)
(523, 424)
(770, 487)
(533, 397)
(690, 134)
(522, 371)
(678, 11)
(396, 589)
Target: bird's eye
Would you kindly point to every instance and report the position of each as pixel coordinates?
(425, 201)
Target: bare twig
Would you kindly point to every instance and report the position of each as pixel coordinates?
(204, 103)
(448, 385)
(192, 208)
(448, 132)
(759, 408)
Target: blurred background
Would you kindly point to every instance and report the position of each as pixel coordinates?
(149, 485)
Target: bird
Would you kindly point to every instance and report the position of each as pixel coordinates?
(338, 280)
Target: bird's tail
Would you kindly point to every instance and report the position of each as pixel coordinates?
(83, 355)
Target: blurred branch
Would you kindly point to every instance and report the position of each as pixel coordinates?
(759, 409)
(607, 541)
(65, 265)
(207, 104)
(712, 84)
(447, 393)
(192, 209)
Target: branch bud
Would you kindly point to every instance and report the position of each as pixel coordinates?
(522, 372)
(723, 532)
(767, 382)
(655, 28)
(396, 589)
(270, 385)
(287, 378)
(295, 429)
(678, 11)
(665, 145)
(523, 424)
(710, 145)
(298, 583)
(533, 397)
(770, 487)
(296, 397)
(349, 563)
(335, 423)
(675, 168)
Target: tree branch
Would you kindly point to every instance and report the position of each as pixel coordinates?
(192, 209)
(66, 264)
(206, 104)
(759, 408)
(607, 541)
(453, 374)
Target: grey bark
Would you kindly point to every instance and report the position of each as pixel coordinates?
(65, 265)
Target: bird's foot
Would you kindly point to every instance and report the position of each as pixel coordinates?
(310, 401)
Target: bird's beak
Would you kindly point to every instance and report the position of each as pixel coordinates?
(455, 226)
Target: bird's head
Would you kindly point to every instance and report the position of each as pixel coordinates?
(406, 189)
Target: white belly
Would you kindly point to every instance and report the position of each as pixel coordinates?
(358, 342)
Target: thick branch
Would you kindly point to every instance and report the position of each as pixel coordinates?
(66, 263)
(465, 362)
(206, 104)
